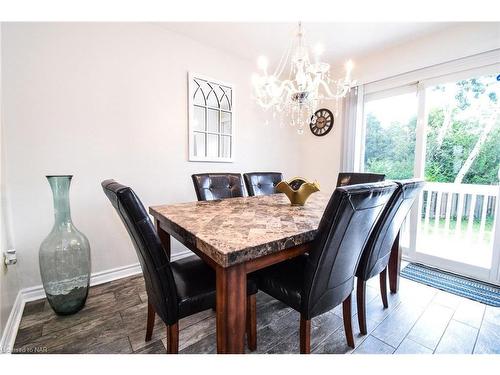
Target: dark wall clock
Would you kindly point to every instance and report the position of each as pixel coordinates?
(321, 122)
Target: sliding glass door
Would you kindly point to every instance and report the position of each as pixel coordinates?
(390, 120)
(447, 131)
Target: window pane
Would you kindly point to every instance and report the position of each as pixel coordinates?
(229, 94)
(463, 131)
(225, 122)
(390, 136)
(199, 95)
(213, 121)
(225, 98)
(212, 145)
(225, 147)
(199, 118)
(212, 99)
(199, 144)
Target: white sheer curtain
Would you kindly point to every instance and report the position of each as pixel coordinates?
(352, 124)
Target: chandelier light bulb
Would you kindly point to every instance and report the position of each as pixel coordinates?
(348, 67)
(349, 64)
(301, 78)
(319, 49)
(262, 63)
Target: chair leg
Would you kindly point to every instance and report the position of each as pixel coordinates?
(173, 338)
(151, 322)
(383, 287)
(252, 322)
(346, 312)
(361, 299)
(305, 336)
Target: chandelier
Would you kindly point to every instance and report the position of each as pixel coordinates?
(293, 99)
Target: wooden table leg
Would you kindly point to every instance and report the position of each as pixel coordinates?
(231, 295)
(164, 238)
(395, 265)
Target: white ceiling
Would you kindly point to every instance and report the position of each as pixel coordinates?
(341, 40)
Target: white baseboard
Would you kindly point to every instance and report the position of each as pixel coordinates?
(37, 292)
(10, 330)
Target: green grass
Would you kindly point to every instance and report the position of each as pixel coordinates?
(488, 225)
(440, 230)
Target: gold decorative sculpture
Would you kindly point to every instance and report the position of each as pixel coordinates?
(297, 190)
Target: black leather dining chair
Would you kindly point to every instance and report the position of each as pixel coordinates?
(262, 183)
(375, 257)
(211, 186)
(353, 178)
(175, 289)
(316, 282)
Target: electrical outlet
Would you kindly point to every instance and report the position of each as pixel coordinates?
(10, 257)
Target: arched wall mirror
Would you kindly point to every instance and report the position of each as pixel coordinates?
(211, 119)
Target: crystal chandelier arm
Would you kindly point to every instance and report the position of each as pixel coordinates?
(324, 85)
(264, 104)
(287, 87)
(341, 86)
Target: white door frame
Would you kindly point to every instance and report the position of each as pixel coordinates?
(418, 168)
(495, 266)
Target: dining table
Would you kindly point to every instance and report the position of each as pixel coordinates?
(238, 236)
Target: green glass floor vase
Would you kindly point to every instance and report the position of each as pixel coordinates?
(64, 255)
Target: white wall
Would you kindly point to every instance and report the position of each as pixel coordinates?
(465, 39)
(109, 101)
(9, 285)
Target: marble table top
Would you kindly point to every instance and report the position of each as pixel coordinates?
(235, 230)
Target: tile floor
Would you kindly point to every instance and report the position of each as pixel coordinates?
(419, 319)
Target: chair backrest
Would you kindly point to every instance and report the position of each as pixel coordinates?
(347, 222)
(262, 183)
(160, 283)
(377, 251)
(354, 178)
(211, 186)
